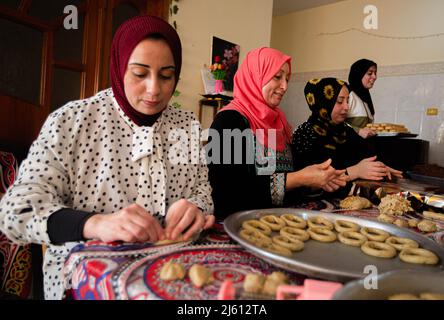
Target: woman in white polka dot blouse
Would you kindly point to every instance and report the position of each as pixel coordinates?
(117, 166)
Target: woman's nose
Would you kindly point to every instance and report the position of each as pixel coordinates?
(284, 85)
(152, 86)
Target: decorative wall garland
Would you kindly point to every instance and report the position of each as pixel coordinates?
(382, 36)
(383, 71)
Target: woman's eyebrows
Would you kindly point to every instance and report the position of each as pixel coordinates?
(147, 66)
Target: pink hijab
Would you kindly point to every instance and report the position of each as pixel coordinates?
(257, 69)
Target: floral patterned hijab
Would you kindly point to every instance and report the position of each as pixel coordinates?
(321, 95)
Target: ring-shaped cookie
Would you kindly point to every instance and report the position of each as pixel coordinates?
(295, 233)
(274, 222)
(294, 221)
(322, 234)
(343, 225)
(374, 234)
(320, 222)
(293, 245)
(378, 249)
(418, 256)
(257, 225)
(275, 248)
(352, 238)
(401, 243)
(254, 236)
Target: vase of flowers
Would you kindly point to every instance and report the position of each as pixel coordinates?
(219, 71)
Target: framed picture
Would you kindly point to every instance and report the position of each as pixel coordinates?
(228, 53)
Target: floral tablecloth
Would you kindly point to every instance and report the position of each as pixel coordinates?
(115, 271)
(103, 271)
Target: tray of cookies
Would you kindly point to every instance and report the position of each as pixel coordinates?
(390, 130)
(331, 246)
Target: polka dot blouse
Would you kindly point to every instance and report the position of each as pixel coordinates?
(90, 156)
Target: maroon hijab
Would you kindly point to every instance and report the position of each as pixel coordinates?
(127, 37)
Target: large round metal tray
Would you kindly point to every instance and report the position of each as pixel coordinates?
(332, 261)
(391, 283)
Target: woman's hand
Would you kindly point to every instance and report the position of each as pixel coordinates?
(184, 215)
(335, 183)
(366, 133)
(392, 172)
(368, 169)
(131, 224)
(317, 176)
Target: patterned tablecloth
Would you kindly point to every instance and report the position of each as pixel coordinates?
(103, 271)
(109, 271)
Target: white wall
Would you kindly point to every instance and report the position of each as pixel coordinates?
(410, 71)
(398, 98)
(244, 22)
(299, 34)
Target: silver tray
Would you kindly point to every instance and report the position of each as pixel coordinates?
(394, 282)
(332, 261)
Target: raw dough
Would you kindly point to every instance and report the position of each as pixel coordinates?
(355, 203)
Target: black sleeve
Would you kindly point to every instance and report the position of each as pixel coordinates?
(355, 149)
(236, 187)
(306, 150)
(66, 225)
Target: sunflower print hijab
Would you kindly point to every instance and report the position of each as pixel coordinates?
(321, 95)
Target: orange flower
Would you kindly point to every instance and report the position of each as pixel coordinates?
(218, 69)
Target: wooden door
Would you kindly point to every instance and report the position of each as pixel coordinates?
(43, 64)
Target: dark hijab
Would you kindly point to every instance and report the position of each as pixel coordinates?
(321, 95)
(127, 37)
(357, 72)
(319, 138)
